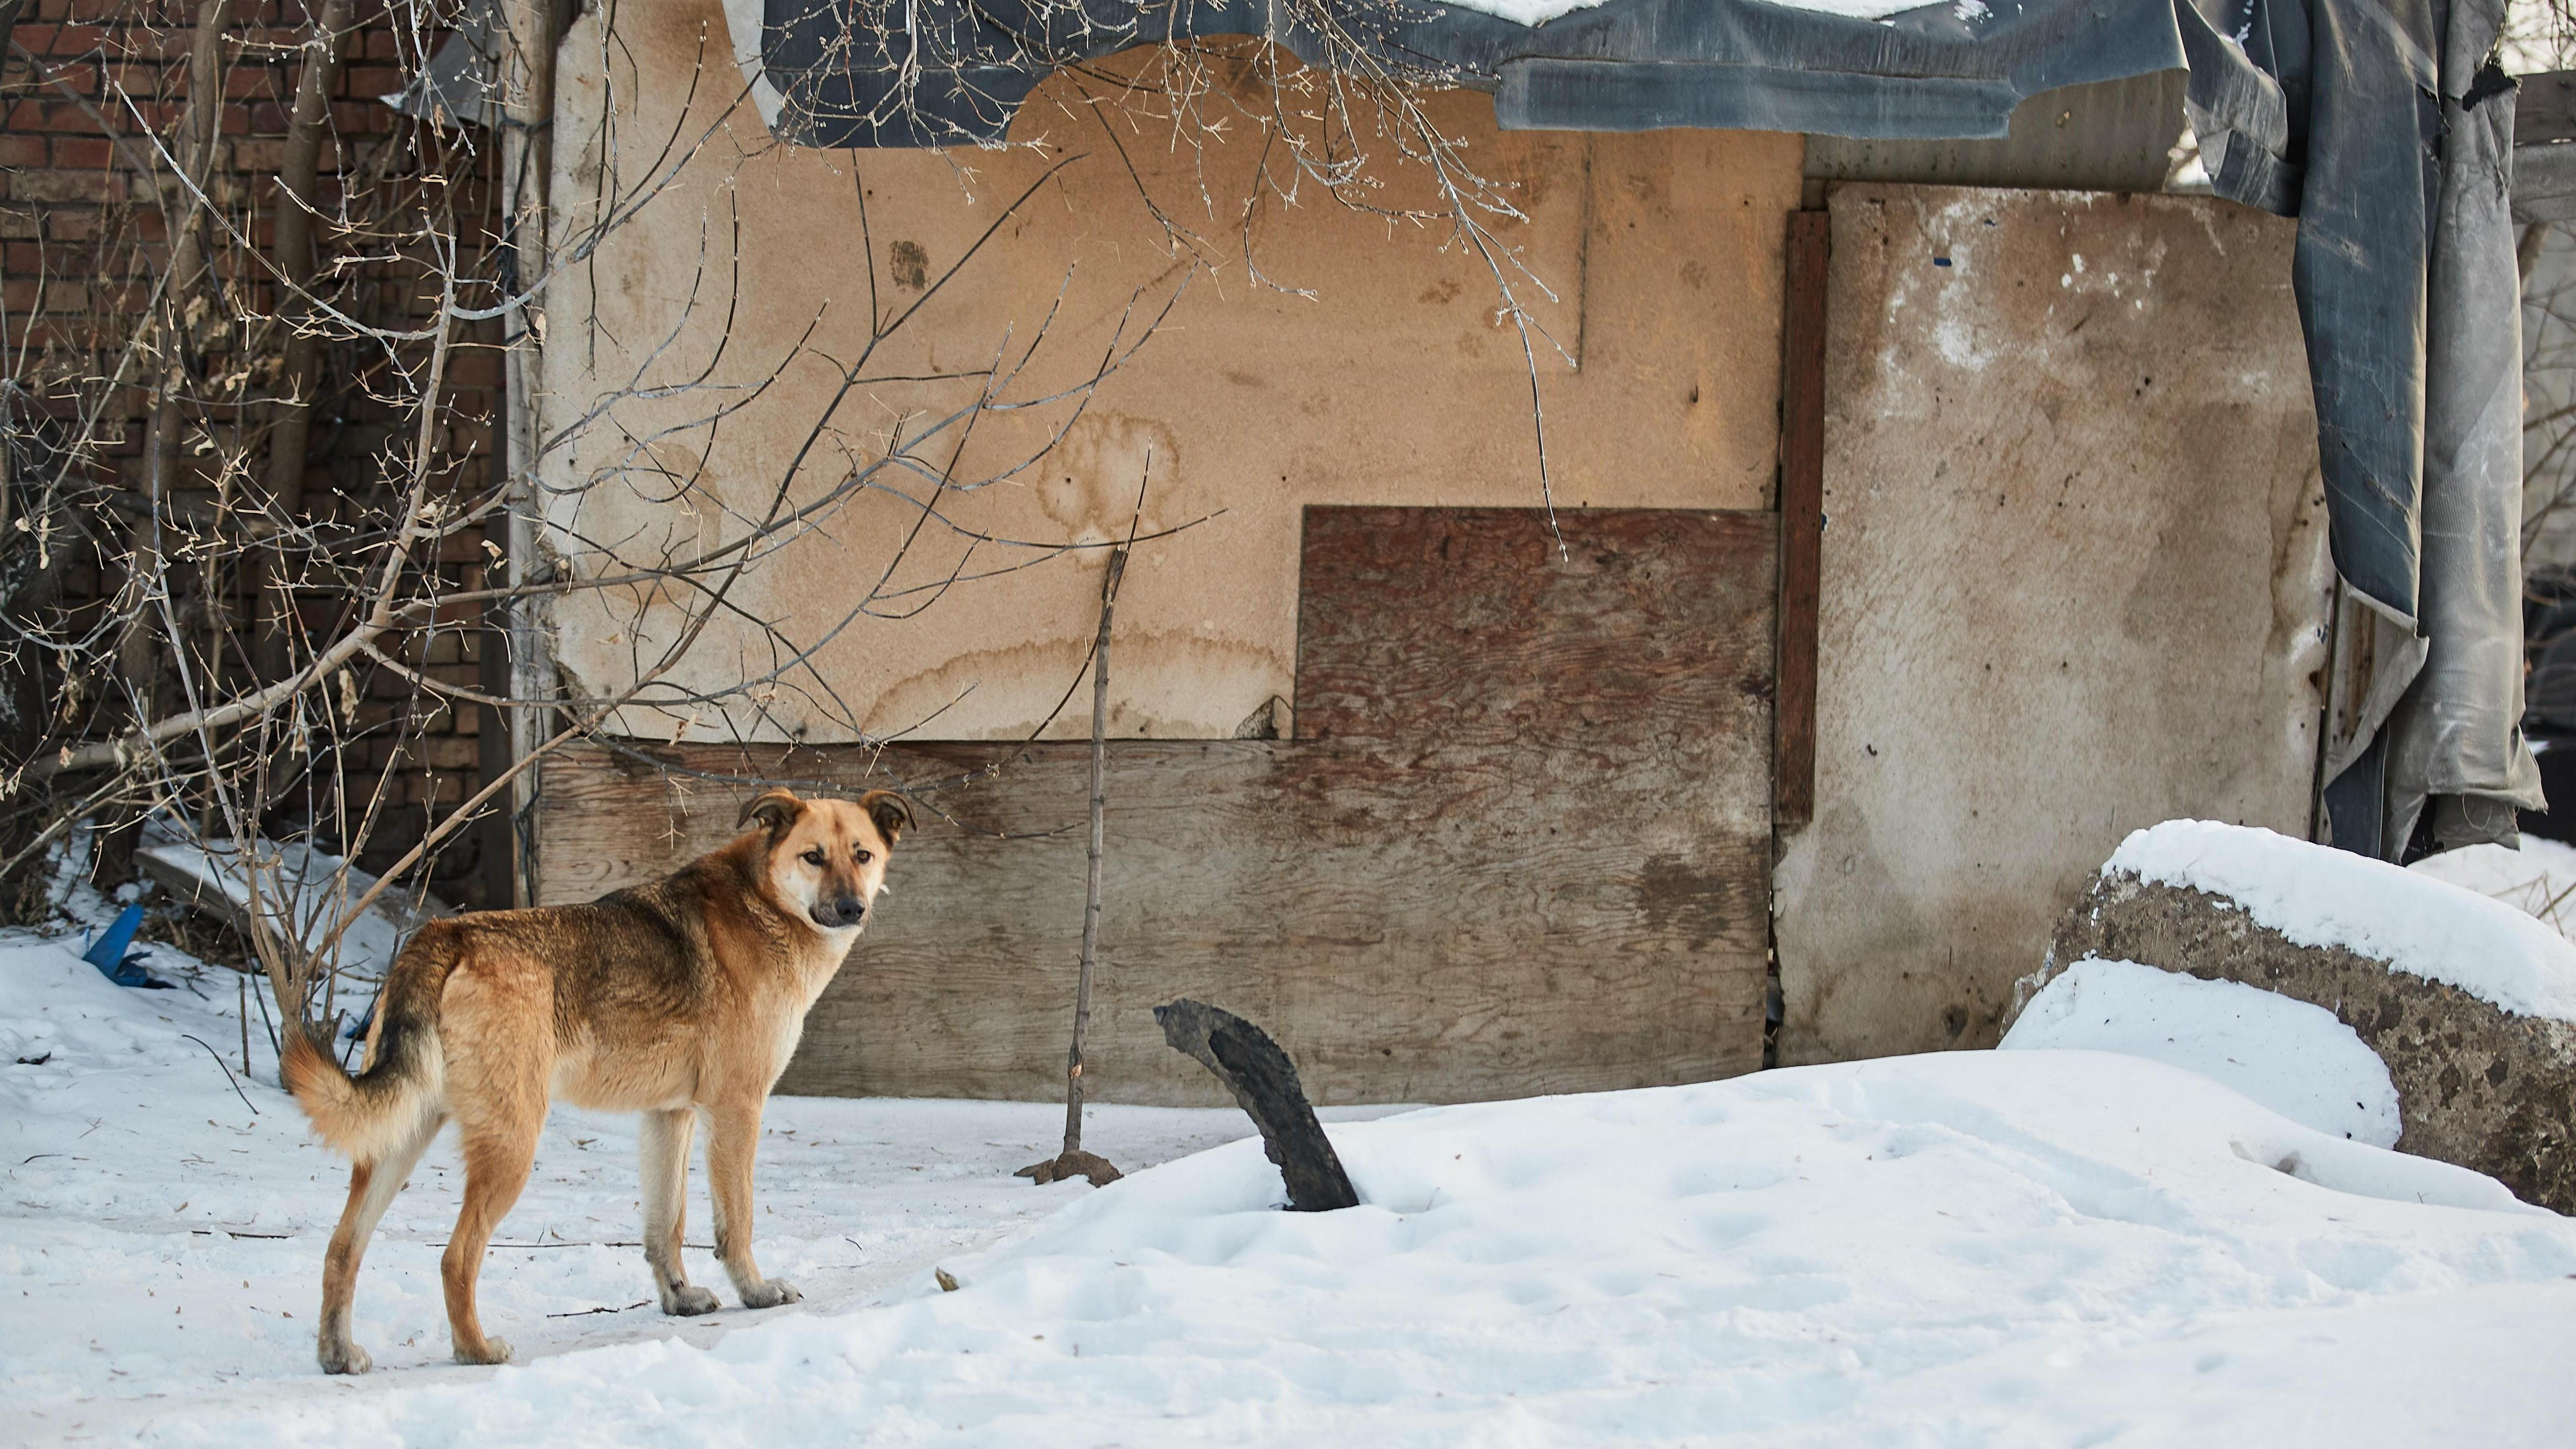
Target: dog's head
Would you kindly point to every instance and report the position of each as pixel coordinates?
(827, 858)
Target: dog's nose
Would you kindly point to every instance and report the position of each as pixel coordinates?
(846, 911)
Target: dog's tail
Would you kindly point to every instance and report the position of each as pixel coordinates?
(404, 1085)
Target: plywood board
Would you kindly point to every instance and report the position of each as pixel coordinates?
(1626, 632)
(1366, 364)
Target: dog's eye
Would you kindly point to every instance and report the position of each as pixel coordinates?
(863, 855)
(814, 856)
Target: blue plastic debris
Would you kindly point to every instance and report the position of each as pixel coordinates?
(108, 950)
(109, 954)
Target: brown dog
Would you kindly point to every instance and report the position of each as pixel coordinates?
(679, 999)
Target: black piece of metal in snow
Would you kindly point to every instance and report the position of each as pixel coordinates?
(1264, 1082)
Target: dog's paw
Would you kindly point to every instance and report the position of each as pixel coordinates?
(495, 1350)
(688, 1301)
(769, 1293)
(344, 1358)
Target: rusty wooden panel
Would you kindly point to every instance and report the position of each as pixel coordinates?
(1802, 521)
(1467, 625)
(1570, 893)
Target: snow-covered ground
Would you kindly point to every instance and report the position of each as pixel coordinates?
(2028, 1247)
(2539, 879)
(302, 890)
(161, 1237)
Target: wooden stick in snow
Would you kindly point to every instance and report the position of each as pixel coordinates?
(1073, 1161)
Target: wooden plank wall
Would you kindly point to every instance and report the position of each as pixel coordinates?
(1519, 844)
(1802, 515)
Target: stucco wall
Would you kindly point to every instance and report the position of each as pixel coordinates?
(1393, 383)
(2073, 583)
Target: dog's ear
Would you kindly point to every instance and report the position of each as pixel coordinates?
(888, 810)
(775, 808)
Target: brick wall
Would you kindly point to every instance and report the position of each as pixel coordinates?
(82, 237)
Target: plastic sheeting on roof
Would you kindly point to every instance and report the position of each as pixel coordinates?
(933, 72)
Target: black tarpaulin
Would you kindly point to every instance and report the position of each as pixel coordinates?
(2382, 125)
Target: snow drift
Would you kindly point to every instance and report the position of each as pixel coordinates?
(2469, 1002)
(2033, 1247)
(2286, 1054)
(2029, 1247)
(2539, 879)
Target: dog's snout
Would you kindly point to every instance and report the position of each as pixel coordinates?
(840, 911)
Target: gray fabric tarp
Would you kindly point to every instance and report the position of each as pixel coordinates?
(2382, 125)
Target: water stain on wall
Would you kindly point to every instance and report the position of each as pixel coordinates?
(1108, 461)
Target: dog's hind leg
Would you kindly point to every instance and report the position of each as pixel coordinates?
(666, 1208)
(496, 1168)
(733, 1137)
(496, 1035)
(372, 1186)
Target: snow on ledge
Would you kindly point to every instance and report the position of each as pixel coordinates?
(1535, 13)
(2318, 896)
(1527, 12)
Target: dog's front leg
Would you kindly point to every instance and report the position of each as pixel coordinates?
(733, 1137)
(666, 1196)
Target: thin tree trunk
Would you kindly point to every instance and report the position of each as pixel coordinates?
(22, 703)
(138, 648)
(1091, 885)
(1073, 1161)
(200, 127)
(527, 157)
(292, 252)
